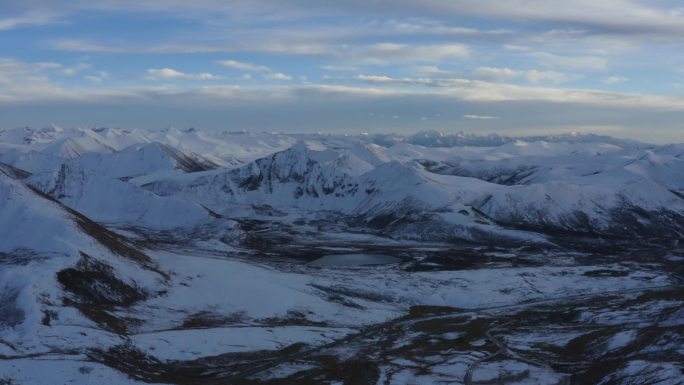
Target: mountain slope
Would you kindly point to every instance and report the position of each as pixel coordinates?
(49, 252)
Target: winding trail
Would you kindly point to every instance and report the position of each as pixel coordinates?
(502, 349)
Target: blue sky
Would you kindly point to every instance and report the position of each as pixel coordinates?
(514, 67)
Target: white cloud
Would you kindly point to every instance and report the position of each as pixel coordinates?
(607, 15)
(169, 73)
(497, 74)
(376, 79)
(37, 17)
(590, 63)
(429, 27)
(533, 76)
(481, 117)
(515, 47)
(483, 91)
(339, 68)
(288, 47)
(71, 71)
(258, 45)
(277, 76)
(97, 78)
(70, 45)
(431, 70)
(14, 72)
(242, 66)
(29, 82)
(614, 79)
(384, 53)
(390, 80)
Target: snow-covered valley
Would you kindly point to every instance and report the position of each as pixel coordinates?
(200, 257)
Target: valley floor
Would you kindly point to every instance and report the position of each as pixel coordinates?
(440, 315)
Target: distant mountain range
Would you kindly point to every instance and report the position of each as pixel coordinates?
(429, 186)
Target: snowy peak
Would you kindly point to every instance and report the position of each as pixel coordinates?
(188, 162)
(111, 200)
(70, 148)
(585, 183)
(27, 214)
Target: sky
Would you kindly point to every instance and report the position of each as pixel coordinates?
(515, 67)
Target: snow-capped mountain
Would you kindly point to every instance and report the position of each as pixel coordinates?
(426, 186)
(546, 188)
(189, 256)
(95, 184)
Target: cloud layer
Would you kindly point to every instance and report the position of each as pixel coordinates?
(518, 64)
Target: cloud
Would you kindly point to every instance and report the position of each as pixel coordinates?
(23, 82)
(390, 49)
(71, 71)
(290, 48)
(86, 46)
(483, 91)
(70, 45)
(31, 18)
(295, 107)
(262, 45)
(533, 76)
(242, 66)
(430, 27)
(431, 70)
(98, 77)
(380, 79)
(269, 25)
(169, 73)
(476, 90)
(351, 55)
(615, 79)
(27, 97)
(27, 82)
(277, 76)
(606, 15)
(338, 68)
(590, 63)
(516, 47)
(497, 74)
(384, 53)
(480, 117)
(15, 72)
